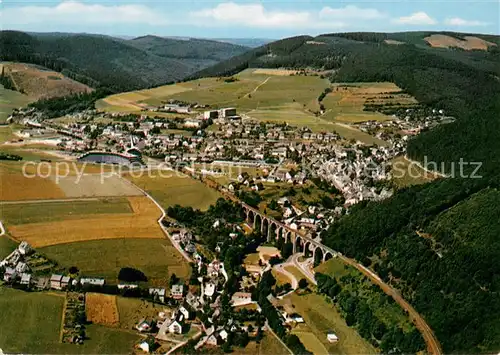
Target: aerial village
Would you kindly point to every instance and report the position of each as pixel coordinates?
(197, 311)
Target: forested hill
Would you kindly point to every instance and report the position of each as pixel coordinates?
(437, 243)
(103, 61)
(198, 53)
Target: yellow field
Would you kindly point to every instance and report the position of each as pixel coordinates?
(280, 72)
(101, 309)
(140, 224)
(14, 186)
(39, 83)
(311, 342)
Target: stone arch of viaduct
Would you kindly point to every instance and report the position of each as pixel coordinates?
(274, 229)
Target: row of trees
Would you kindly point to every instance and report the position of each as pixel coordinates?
(358, 313)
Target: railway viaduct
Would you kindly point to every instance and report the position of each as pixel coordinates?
(276, 230)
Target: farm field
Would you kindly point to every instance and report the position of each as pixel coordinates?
(142, 223)
(41, 315)
(40, 182)
(175, 188)
(96, 186)
(25, 213)
(131, 310)
(346, 101)
(265, 95)
(320, 318)
(101, 309)
(14, 186)
(156, 258)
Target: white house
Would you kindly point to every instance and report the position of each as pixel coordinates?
(332, 337)
(209, 289)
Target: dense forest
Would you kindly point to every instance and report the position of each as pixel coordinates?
(60, 106)
(119, 65)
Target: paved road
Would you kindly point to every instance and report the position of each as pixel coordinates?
(163, 215)
(281, 269)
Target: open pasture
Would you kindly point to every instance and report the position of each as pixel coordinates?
(16, 186)
(156, 258)
(101, 309)
(131, 310)
(40, 315)
(18, 213)
(405, 173)
(9, 100)
(142, 223)
(320, 318)
(170, 188)
(134, 101)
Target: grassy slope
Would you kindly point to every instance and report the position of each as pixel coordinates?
(7, 246)
(321, 318)
(55, 211)
(157, 258)
(389, 313)
(10, 100)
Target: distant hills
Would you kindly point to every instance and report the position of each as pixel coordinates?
(195, 53)
(118, 64)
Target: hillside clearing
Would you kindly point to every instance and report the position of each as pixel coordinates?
(156, 258)
(468, 42)
(40, 83)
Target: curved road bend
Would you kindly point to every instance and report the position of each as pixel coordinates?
(163, 214)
